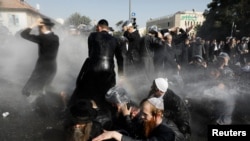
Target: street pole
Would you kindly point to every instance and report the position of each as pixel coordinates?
(129, 9)
(232, 30)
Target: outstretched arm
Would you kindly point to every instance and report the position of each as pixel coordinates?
(26, 32)
(109, 135)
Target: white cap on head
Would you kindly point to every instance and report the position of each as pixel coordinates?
(161, 84)
(224, 55)
(153, 28)
(127, 23)
(166, 34)
(157, 102)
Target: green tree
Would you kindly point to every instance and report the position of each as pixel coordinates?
(223, 17)
(76, 19)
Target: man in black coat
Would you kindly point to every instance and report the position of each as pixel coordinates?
(166, 57)
(150, 42)
(98, 75)
(132, 55)
(175, 109)
(154, 127)
(46, 65)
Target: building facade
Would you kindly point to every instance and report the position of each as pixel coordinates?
(182, 19)
(17, 14)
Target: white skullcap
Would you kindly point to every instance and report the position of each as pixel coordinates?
(153, 28)
(127, 23)
(161, 84)
(157, 102)
(166, 34)
(224, 55)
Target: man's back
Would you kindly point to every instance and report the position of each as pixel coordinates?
(102, 49)
(97, 74)
(176, 109)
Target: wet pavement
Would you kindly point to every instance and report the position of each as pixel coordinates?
(23, 122)
(26, 124)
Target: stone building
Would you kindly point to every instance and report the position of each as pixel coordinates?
(182, 19)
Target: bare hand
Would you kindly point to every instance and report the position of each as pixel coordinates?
(125, 110)
(159, 35)
(38, 22)
(174, 29)
(108, 135)
(189, 28)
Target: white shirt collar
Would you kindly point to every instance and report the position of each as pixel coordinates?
(47, 32)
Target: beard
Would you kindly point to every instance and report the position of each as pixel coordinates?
(81, 133)
(149, 126)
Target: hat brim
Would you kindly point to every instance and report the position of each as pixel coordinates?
(48, 23)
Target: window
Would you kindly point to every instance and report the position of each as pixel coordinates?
(1, 18)
(13, 20)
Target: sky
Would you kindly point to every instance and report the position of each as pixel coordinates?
(117, 10)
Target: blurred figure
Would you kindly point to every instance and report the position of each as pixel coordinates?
(243, 50)
(46, 65)
(197, 48)
(166, 57)
(244, 76)
(124, 111)
(133, 37)
(231, 49)
(214, 50)
(97, 74)
(151, 41)
(227, 73)
(153, 124)
(186, 53)
(219, 97)
(207, 48)
(241, 111)
(195, 70)
(82, 125)
(175, 109)
(170, 65)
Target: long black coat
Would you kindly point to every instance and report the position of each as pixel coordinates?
(133, 46)
(176, 110)
(46, 65)
(98, 75)
(148, 44)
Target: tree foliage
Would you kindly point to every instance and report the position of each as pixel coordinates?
(225, 16)
(76, 19)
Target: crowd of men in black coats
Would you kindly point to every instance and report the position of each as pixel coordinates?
(199, 72)
(200, 82)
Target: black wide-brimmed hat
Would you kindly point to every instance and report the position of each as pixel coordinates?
(47, 22)
(83, 111)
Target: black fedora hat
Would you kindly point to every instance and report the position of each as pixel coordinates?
(83, 111)
(47, 21)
